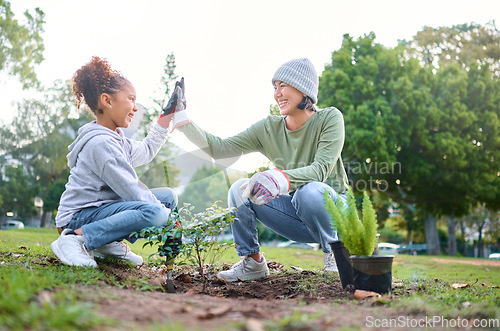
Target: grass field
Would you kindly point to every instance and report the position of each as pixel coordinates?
(26, 278)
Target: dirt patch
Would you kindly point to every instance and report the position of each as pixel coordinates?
(290, 299)
(196, 311)
(280, 284)
(473, 262)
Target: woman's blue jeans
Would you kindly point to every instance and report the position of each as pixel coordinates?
(301, 217)
(117, 220)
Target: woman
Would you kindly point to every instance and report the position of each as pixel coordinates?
(305, 145)
(104, 202)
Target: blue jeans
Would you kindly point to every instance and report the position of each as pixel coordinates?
(117, 220)
(301, 217)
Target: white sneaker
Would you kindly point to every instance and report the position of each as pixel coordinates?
(330, 263)
(246, 269)
(71, 250)
(120, 250)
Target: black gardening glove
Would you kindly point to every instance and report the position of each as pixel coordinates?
(172, 246)
(175, 244)
(177, 101)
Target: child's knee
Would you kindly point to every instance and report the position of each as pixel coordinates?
(160, 216)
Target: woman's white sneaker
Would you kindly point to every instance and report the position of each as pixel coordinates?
(330, 263)
(246, 269)
(71, 250)
(119, 250)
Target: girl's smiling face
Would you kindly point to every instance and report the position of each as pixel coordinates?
(118, 108)
(287, 97)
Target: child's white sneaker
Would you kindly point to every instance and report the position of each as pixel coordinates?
(71, 250)
(120, 250)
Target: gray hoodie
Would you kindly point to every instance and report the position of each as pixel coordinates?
(101, 165)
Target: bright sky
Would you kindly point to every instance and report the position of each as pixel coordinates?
(227, 50)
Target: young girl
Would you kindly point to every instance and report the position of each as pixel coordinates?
(104, 201)
(305, 145)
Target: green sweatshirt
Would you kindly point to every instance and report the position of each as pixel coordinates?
(310, 153)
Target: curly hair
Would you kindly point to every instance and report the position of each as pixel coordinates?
(94, 79)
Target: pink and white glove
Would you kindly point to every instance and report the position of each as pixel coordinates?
(265, 186)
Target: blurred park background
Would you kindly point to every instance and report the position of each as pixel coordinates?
(422, 117)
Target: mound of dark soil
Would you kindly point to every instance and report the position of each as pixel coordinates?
(310, 286)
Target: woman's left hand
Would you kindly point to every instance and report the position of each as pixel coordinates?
(265, 186)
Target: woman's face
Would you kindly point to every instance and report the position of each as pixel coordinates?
(287, 97)
(120, 108)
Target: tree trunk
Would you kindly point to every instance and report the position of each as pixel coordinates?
(480, 243)
(452, 238)
(431, 235)
(46, 215)
(409, 236)
(462, 228)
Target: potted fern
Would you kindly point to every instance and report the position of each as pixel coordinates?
(359, 236)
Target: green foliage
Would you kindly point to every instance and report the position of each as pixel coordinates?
(465, 44)
(17, 192)
(38, 139)
(168, 80)
(27, 302)
(436, 297)
(161, 171)
(201, 233)
(370, 224)
(53, 195)
(38, 294)
(421, 123)
(22, 45)
(274, 110)
(358, 236)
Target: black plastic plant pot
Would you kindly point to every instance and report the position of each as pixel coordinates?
(372, 273)
(343, 264)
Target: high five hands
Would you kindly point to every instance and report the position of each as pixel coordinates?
(175, 108)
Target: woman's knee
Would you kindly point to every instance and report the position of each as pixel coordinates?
(234, 195)
(311, 195)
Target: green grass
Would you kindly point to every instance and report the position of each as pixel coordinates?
(408, 267)
(452, 269)
(38, 293)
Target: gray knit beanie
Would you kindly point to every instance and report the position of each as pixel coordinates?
(299, 73)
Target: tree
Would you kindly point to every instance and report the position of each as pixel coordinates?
(17, 192)
(21, 46)
(162, 170)
(474, 50)
(412, 128)
(39, 136)
(485, 223)
(468, 45)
